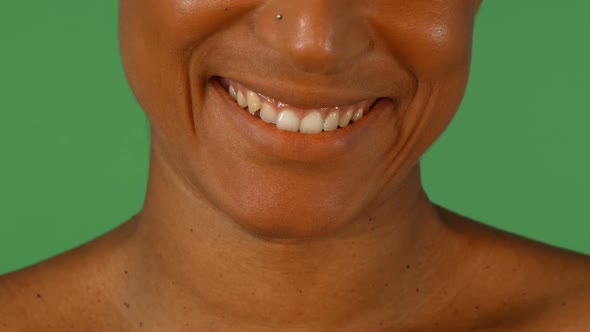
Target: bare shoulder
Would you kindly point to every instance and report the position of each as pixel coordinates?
(569, 315)
(531, 286)
(31, 299)
(563, 291)
(13, 314)
(65, 293)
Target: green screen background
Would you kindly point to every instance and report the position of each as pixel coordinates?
(74, 143)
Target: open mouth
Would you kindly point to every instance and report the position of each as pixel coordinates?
(294, 119)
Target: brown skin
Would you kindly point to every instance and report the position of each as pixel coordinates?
(328, 232)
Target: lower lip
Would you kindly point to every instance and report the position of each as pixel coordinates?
(297, 146)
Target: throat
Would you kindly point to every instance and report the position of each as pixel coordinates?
(193, 259)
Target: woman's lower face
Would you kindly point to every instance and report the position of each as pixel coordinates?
(294, 118)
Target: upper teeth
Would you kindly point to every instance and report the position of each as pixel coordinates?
(293, 119)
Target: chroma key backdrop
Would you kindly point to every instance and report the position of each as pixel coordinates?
(74, 143)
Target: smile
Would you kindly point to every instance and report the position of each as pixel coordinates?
(294, 119)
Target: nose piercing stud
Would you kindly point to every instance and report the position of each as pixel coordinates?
(279, 17)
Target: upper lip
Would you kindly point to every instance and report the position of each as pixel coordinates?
(306, 96)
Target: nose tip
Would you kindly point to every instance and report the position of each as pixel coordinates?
(314, 35)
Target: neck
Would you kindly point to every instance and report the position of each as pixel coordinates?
(195, 260)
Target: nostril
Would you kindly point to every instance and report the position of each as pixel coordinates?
(314, 36)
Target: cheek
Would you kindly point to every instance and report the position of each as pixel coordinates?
(157, 39)
(175, 25)
(438, 53)
(441, 49)
(432, 39)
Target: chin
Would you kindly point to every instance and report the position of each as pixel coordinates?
(284, 212)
